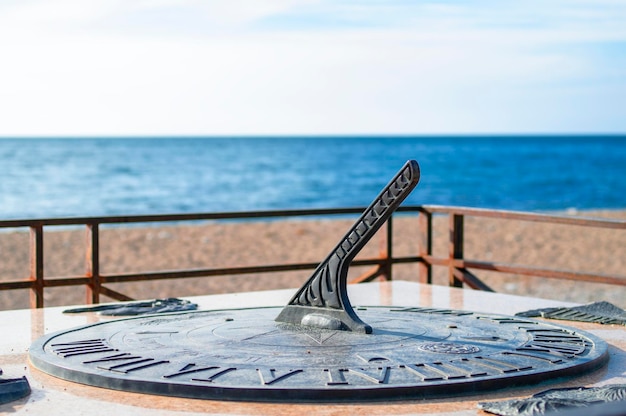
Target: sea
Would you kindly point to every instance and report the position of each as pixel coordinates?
(69, 177)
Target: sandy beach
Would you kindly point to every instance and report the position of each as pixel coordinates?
(209, 245)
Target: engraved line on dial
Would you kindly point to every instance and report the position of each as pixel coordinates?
(83, 347)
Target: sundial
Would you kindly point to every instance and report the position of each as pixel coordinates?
(319, 347)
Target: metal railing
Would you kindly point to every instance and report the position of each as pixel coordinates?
(458, 267)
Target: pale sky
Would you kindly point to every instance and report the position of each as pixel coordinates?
(283, 67)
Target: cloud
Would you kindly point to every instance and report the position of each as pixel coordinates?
(317, 67)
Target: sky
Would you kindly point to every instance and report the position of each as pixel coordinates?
(327, 67)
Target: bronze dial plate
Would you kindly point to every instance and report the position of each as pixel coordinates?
(244, 354)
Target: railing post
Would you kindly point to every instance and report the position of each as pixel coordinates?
(425, 246)
(92, 259)
(36, 266)
(455, 248)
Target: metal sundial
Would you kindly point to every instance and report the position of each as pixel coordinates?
(317, 348)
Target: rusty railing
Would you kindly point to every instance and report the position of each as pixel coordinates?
(458, 266)
(459, 273)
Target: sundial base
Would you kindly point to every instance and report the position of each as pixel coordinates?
(244, 355)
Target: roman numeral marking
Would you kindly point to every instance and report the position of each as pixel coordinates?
(90, 346)
(465, 366)
(424, 371)
(135, 362)
(537, 355)
(499, 366)
(270, 376)
(555, 342)
(378, 376)
(335, 376)
(451, 371)
(438, 371)
(216, 371)
(552, 348)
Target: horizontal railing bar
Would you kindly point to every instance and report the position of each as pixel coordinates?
(184, 217)
(172, 274)
(526, 216)
(66, 281)
(48, 282)
(527, 270)
(17, 284)
(407, 259)
(477, 212)
(541, 272)
(181, 274)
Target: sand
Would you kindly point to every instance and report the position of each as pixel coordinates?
(215, 244)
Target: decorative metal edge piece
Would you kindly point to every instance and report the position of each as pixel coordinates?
(322, 301)
(13, 389)
(138, 308)
(597, 312)
(560, 400)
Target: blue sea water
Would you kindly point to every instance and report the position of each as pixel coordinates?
(42, 178)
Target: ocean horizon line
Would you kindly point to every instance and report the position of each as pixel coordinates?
(321, 136)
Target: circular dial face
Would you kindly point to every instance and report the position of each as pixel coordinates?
(243, 354)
